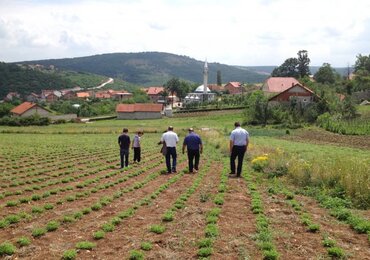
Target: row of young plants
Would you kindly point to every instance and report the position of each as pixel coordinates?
(100, 167)
(264, 235)
(53, 225)
(110, 225)
(169, 214)
(36, 211)
(46, 172)
(211, 231)
(333, 250)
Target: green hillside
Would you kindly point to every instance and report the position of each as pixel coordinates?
(152, 68)
(25, 79)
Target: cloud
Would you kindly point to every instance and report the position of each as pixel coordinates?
(259, 32)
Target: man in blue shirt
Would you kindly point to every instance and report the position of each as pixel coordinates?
(239, 140)
(195, 147)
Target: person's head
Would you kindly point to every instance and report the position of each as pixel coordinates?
(140, 133)
(237, 124)
(170, 128)
(125, 130)
(191, 130)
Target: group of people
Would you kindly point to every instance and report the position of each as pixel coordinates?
(238, 145)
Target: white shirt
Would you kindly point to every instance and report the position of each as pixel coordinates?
(170, 138)
(239, 136)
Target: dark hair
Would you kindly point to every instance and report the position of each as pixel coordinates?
(125, 130)
(237, 124)
(170, 128)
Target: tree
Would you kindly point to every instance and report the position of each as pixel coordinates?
(362, 71)
(172, 86)
(325, 74)
(256, 111)
(287, 69)
(219, 80)
(303, 63)
(294, 67)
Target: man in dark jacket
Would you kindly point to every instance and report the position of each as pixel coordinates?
(124, 144)
(195, 147)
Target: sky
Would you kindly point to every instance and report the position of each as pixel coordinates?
(233, 32)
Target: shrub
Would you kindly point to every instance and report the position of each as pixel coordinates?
(168, 216)
(12, 219)
(52, 226)
(158, 229)
(7, 248)
(23, 241)
(69, 254)
(260, 163)
(205, 251)
(336, 252)
(136, 255)
(211, 230)
(99, 234)
(38, 232)
(87, 245)
(205, 242)
(146, 246)
(107, 227)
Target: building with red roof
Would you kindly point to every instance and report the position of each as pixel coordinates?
(29, 109)
(278, 84)
(139, 111)
(234, 88)
(298, 92)
(155, 93)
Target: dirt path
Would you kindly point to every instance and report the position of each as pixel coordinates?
(319, 136)
(237, 225)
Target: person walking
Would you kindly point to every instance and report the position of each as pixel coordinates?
(194, 146)
(136, 146)
(239, 140)
(171, 139)
(124, 144)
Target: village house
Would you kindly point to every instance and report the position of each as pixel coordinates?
(274, 85)
(29, 109)
(234, 88)
(139, 111)
(121, 95)
(68, 95)
(83, 95)
(33, 97)
(298, 92)
(155, 94)
(216, 88)
(11, 96)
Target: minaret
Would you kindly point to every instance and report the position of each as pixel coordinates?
(205, 81)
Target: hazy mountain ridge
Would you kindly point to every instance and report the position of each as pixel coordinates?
(152, 68)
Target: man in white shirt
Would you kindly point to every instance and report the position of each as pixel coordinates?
(171, 139)
(239, 140)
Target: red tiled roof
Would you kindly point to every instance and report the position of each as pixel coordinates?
(128, 108)
(154, 90)
(235, 84)
(102, 95)
(19, 110)
(279, 84)
(83, 94)
(295, 85)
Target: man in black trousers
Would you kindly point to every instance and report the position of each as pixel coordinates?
(124, 144)
(239, 140)
(195, 147)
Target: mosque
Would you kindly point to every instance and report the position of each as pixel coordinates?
(202, 93)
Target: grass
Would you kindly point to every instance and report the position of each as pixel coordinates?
(23, 241)
(86, 245)
(158, 229)
(69, 254)
(52, 226)
(38, 232)
(99, 235)
(136, 255)
(7, 248)
(146, 246)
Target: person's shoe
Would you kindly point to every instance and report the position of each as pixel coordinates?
(195, 170)
(231, 173)
(233, 176)
(191, 172)
(174, 171)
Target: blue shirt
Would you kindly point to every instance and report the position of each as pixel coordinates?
(239, 136)
(192, 141)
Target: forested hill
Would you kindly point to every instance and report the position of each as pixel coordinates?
(153, 68)
(26, 80)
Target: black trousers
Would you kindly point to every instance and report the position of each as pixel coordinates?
(124, 157)
(137, 154)
(237, 151)
(193, 154)
(171, 152)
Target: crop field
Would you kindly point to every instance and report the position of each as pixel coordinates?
(63, 195)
